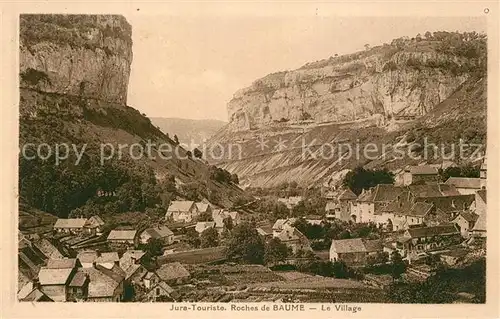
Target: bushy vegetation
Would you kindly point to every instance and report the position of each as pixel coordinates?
(33, 77)
(361, 178)
(444, 286)
(70, 30)
(222, 176)
(245, 245)
(125, 118)
(459, 171)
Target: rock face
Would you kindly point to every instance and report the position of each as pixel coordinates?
(298, 125)
(80, 55)
(393, 81)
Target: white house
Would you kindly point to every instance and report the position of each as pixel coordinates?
(162, 233)
(465, 185)
(70, 225)
(202, 226)
(182, 211)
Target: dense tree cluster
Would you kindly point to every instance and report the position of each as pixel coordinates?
(222, 176)
(443, 286)
(361, 178)
(459, 171)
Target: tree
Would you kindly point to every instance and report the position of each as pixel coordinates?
(398, 266)
(176, 139)
(367, 47)
(361, 178)
(246, 245)
(228, 223)
(154, 247)
(192, 238)
(340, 269)
(189, 154)
(197, 153)
(235, 179)
(209, 238)
(204, 217)
(275, 251)
(377, 259)
(428, 35)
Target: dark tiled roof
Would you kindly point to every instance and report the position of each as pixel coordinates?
(54, 276)
(373, 245)
(420, 209)
(61, 263)
(468, 216)
(87, 256)
(451, 203)
(343, 246)
(159, 232)
(482, 194)
(433, 231)
(116, 234)
(423, 170)
(347, 194)
(171, 271)
(180, 206)
(70, 223)
(78, 280)
(464, 182)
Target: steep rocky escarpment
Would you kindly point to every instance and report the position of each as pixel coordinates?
(289, 125)
(73, 84)
(406, 78)
(81, 55)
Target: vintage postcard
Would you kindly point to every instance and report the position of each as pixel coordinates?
(251, 159)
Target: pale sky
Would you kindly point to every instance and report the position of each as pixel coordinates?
(190, 67)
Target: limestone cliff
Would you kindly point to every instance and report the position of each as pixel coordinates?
(288, 126)
(406, 78)
(80, 55)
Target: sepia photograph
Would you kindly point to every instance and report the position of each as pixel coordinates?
(218, 162)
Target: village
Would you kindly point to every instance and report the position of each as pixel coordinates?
(419, 221)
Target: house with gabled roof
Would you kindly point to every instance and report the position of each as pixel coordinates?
(94, 225)
(162, 233)
(425, 174)
(107, 259)
(265, 231)
(161, 291)
(351, 251)
(480, 202)
(182, 211)
(203, 207)
(281, 223)
(294, 239)
(118, 237)
(465, 185)
(104, 285)
(54, 282)
(78, 287)
(70, 225)
(173, 273)
(363, 209)
(479, 229)
(202, 226)
(36, 295)
(354, 251)
(465, 222)
(422, 239)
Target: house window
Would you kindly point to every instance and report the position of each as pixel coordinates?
(158, 291)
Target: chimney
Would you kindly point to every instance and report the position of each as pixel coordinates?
(36, 283)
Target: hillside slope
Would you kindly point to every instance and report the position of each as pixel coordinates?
(56, 109)
(188, 131)
(439, 94)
